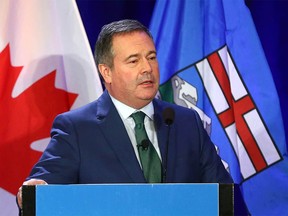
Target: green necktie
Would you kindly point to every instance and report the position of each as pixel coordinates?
(149, 158)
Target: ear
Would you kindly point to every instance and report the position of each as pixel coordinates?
(105, 72)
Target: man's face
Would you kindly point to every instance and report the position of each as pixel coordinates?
(134, 79)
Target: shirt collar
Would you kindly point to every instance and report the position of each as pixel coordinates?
(125, 111)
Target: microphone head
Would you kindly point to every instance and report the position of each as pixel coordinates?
(168, 116)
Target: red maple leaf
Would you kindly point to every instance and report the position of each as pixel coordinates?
(25, 119)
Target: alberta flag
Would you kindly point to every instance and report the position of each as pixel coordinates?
(46, 67)
(211, 60)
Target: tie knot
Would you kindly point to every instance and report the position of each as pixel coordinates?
(138, 117)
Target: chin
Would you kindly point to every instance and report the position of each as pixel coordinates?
(148, 98)
(147, 95)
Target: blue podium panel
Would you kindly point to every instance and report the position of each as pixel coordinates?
(127, 199)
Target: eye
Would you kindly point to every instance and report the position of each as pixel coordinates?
(152, 58)
(133, 60)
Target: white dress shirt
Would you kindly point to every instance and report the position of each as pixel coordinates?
(125, 112)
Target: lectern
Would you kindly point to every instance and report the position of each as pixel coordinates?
(133, 199)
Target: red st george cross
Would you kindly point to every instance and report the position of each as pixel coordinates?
(236, 111)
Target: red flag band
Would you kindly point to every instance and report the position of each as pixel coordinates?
(238, 114)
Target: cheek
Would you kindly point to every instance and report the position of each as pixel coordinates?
(125, 78)
(128, 77)
(126, 81)
(155, 69)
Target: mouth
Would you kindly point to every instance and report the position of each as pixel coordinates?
(146, 82)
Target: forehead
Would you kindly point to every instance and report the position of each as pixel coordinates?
(132, 42)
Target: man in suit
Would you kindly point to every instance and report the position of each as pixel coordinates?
(97, 144)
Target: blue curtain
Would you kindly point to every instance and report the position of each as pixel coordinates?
(271, 21)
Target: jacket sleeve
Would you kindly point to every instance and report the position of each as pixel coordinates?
(212, 168)
(60, 161)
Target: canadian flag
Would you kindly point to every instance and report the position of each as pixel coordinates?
(46, 68)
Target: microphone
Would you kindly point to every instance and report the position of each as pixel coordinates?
(144, 144)
(168, 116)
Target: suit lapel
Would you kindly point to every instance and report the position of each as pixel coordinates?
(119, 140)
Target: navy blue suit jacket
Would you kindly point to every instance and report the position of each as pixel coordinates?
(91, 145)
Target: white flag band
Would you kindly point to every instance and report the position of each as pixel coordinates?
(238, 114)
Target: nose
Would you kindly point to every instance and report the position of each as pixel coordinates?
(146, 66)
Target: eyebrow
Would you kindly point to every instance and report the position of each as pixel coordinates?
(136, 55)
